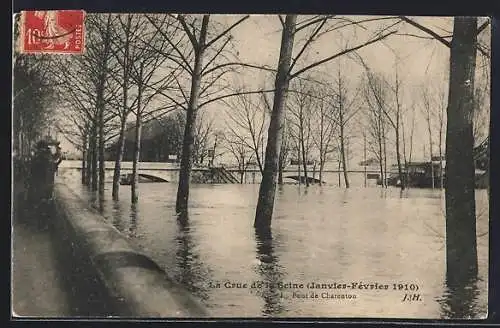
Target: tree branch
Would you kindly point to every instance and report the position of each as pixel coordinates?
(483, 26)
(340, 54)
(264, 68)
(232, 95)
(190, 35)
(304, 47)
(226, 31)
(426, 30)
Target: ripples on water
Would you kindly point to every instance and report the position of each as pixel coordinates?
(320, 234)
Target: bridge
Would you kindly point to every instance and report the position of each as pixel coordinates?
(157, 172)
(303, 179)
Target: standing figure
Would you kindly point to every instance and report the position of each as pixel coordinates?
(41, 174)
(41, 182)
(57, 158)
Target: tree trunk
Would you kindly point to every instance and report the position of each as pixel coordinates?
(299, 173)
(125, 110)
(280, 173)
(84, 160)
(93, 147)
(405, 156)
(342, 124)
(398, 158)
(265, 204)
(88, 169)
(441, 173)
(384, 144)
(321, 167)
(281, 163)
(430, 149)
(381, 159)
(342, 152)
(461, 243)
(101, 143)
(137, 149)
(398, 146)
(304, 158)
(118, 161)
(181, 205)
(84, 168)
(364, 159)
(339, 168)
(242, 175)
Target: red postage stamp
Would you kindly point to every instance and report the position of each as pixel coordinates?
(53, 31)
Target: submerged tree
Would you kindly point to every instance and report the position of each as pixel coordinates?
(200, 60)
(461, 240)
(284, 75)
(347, 108)
(325, 127)
(376, 97)
(87, 94)
(300, 118)
(246, 121)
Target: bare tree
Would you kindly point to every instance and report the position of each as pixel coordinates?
(126, 35)
(203, 134)
(286, 142)
(433, 109)
(375, 97)
(461, 242)
(240, 151)
(460, 182)
(201, 61)
(247, 120)
(301, 111)
(407, 141)
(286, 65)
(138, 64)
(441, 120)
(347, 109)
(148, 86)
(88, 92)
(325, 127)
(104, 54)
(32, 94)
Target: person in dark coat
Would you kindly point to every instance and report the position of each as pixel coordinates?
(41, 174)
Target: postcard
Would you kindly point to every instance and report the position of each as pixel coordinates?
(250, 166)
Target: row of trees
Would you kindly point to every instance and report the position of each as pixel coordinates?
(32, 95)
(143, 67)
(461, 242)
(149, 66)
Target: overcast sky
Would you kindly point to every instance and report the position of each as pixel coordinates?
(421, 61)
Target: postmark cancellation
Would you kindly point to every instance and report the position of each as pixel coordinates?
(52, 31)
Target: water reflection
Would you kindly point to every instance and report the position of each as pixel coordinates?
(330, 233)
(270, 272)
(460, 299)
(191, 271)
(117, 215)
(134, 214)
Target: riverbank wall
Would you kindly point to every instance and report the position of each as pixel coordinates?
(135, 283)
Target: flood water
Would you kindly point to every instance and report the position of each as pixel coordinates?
(320, 235)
